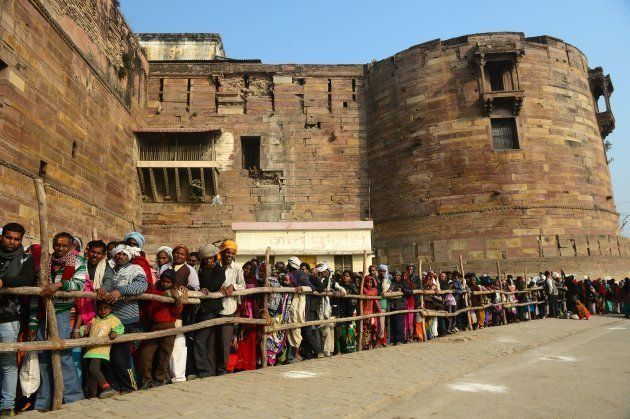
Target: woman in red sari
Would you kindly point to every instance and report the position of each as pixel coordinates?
(248, 348)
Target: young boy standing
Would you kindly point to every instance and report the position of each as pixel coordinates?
(104, 324)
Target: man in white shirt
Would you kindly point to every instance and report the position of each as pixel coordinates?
(234, 280)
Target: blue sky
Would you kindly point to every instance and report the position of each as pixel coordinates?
(352, 31)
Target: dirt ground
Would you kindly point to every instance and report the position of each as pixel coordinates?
(544, 369)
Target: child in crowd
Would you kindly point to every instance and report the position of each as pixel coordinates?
(162, 316)
(103, 324)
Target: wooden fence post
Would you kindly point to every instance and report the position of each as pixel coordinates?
(360, 302)
(263, 338)
(51, 317)
(503, 297)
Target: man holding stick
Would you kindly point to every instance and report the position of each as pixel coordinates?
(67, 272)
(17, 269)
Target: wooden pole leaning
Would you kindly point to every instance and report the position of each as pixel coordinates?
(467, 298)
(263, 336)
(503, 298)
(44, 279)
(360, 302)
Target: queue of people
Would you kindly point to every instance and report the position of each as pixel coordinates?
(120, 269)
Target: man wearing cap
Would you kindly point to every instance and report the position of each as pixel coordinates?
(128, 279)
(234, 281)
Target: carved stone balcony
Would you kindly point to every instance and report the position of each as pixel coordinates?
(512, 99)
(606, 122)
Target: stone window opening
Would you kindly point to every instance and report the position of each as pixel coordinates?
(499, 76)
(250, 153)
(42, 168)
(504, 134)
(188, 90)
(75, 146)
(3, 65)
(161, 92)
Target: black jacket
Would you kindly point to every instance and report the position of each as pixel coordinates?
(399, 303)
(212, 280)
(17, 269)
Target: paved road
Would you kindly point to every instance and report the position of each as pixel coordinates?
(545, 368)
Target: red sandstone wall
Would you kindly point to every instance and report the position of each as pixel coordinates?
(76, 75)
(318, 152)
(439, 189)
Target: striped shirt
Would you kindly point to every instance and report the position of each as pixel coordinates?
(129, 279)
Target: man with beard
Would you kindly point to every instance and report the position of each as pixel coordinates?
(17, 269)
(67, 273)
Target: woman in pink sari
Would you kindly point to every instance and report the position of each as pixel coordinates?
(370, 326)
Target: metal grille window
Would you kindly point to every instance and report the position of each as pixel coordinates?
(504, 135)
(343, 262)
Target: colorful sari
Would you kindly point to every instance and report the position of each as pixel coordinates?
(279, 311)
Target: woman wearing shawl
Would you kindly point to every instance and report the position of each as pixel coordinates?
(384, 282)
(408, 323)
(370, 326)
(346, 332)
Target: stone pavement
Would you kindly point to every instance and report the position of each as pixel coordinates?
(542, 368)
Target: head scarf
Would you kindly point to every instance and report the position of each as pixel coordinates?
(77, 240)
(294, 262)
(128, 250)
(322, 267)
(165, 249)
(137, 237)
(207, 250)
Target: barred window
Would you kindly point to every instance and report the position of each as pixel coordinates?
(343, 262)
(498, 74)
(504, 135)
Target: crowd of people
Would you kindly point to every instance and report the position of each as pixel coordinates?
(120, 269)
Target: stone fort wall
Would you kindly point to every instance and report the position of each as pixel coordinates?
(440, 189)
(311, 124)
(72, 88)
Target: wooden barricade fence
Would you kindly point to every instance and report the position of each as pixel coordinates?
(54, 344)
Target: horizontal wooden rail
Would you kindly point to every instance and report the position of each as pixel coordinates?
(61, 344)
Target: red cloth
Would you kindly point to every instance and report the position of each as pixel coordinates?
(160, 312)
(146, 267)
